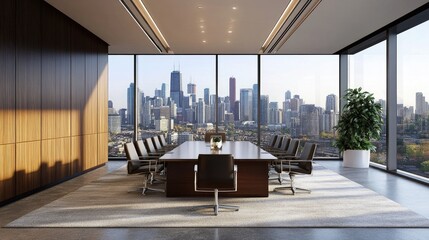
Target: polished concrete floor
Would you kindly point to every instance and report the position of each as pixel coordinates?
(412, 195)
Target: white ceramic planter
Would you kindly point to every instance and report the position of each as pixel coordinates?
(356, 158)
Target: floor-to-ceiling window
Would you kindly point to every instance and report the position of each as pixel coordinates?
(238, 96)
(299, 98)
(176, 96)
(367, 69)
(121, 103)
(412, 103)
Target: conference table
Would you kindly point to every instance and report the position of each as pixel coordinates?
(252, 164)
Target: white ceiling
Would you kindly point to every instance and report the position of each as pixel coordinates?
(333, 25)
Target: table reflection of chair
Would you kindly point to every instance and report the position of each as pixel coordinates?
(208, 136)
(216, 173)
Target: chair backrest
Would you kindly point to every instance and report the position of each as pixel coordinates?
(132, 157)
(307, 154)
(272, 141)
(279, 141)
(285, 143)
(157, 143)
(141, 148)
(149, 144)
(293, 147)
(162, 139)
(208, 135)
(215, 171)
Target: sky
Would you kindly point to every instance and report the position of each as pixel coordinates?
(313, 77)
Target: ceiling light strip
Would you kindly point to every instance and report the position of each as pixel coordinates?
(148, 18)
(290, 33)
(285, 15)
(141, 27)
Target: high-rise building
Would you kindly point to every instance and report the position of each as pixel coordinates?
(164, 92)
(246, 104)
(176, 92)
(206, 95)
(331, 103)
(130, 104)
(201, 111)
(273, 111)
(309, 120)
(421, 105)
(232, 99)
(288, 95)
(255, 103)
(123, 113)
(109, 104)
(265, 99)
(192, 88)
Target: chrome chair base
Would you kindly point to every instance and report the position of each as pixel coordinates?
(216, 206)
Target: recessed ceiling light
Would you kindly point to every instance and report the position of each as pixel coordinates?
(202, 26)
(201, 20)
(228, 41)
(204, 41)
(203, 31)
(200, 7)
(229, 31)
(234, 8)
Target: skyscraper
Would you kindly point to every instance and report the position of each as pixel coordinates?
(130, 104)
(176, 92)
(288, 95)
(420, 104)
(206, 96)
(232, 90)
(192, 88)
(309, 120)
(200, 111)
(163, 92)
(331, 103)
(246, 104)
(264, 109)
(255, 103)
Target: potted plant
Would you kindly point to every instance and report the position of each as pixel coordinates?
(216, 142)
(360, 123)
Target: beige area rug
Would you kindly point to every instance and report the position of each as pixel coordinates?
(335, 201)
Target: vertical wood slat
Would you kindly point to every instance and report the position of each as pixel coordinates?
(48, 161)
(102, 148)
(77, 80)
(62, 75)
(90, 154)
(49, 52)
(63, 155)
(90, 111)
(28, 71)
(76, 155)
(7, 72)
(7, 171)
(27, 166)
(102, 88)
(55, 160)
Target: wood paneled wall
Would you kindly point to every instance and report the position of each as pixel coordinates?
(53, 97)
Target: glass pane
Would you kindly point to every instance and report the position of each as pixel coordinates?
(413, 110)
(368, 70)
(238, 95)
(176, 96)
(121, 102)
(299, 99)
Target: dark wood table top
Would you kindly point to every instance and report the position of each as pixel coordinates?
(240, 150)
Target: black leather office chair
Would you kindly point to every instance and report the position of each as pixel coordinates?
(296, 166)
(216, 173)
(291, 150)
(136, 165)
